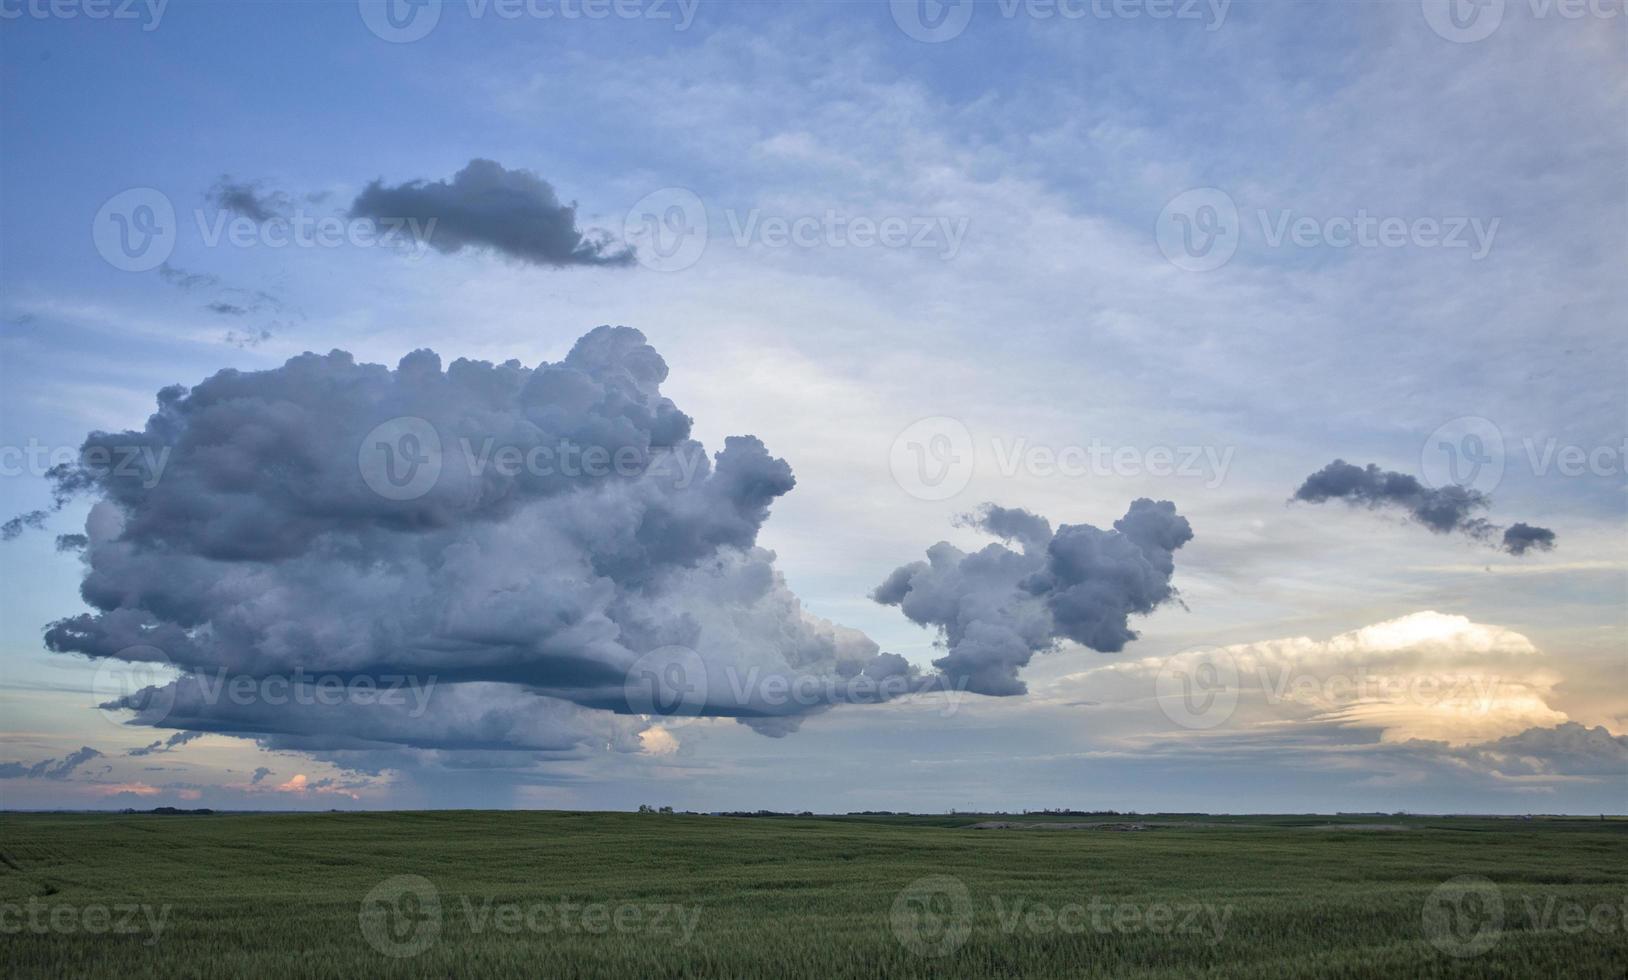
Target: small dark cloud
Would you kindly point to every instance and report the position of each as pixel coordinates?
(1520, 537)
(1444, 510)
(249, 199)
(171, 744)
(72, 542)
(512, 212)
(49, 768)
(184, 280)
(259, 775)
(13, 529)
(226, 309)
(1441, 509)
(250, 338)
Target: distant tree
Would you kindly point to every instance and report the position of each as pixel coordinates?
(646, 808)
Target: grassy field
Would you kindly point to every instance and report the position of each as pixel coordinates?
(443, 894)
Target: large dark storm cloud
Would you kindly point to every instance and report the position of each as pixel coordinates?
(550, 527)
(512, 212)
(1443, 510)
(997, 607)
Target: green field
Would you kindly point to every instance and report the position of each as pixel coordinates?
(623, 895)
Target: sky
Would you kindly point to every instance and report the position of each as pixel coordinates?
(1208, 406)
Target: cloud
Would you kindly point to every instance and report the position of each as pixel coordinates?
(259, 774)
(13, 529)
(1441, 509)
(175, 741)
(1426, 676)
(1519, 537)
(997, 607)
(569, 530)
(1567, 749)
(184, 280)
(246, 198)
(512, 212)
(49, 768)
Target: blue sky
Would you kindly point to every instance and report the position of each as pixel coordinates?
(1044, 167)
